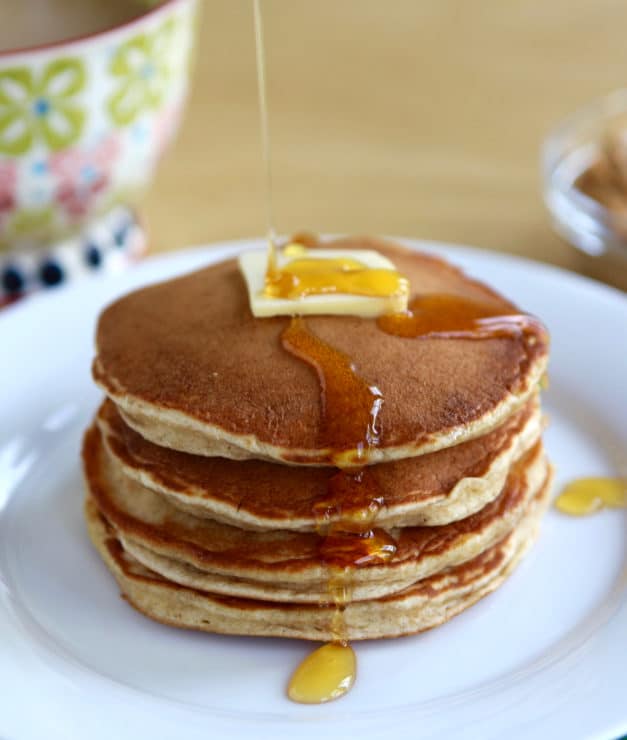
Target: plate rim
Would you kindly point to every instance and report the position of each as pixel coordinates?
(225, 248)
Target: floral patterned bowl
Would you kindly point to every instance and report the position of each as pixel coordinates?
(83, 123)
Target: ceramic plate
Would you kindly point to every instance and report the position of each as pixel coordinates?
(543, 657)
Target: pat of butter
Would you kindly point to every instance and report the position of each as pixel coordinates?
(254, 266)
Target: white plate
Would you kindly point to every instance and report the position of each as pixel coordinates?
(544, 657)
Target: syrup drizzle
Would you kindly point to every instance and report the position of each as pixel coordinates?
(447, 316)
(345, 514)
(589, 495)
(329, 672)
(350, 406)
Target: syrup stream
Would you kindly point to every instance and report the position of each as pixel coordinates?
(265, 133)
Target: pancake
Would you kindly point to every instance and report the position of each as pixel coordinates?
(283, 565)
(423, 605)
(430, 489)
(190, 368)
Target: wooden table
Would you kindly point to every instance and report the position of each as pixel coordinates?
(421, 118)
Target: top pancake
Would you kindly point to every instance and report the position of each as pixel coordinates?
(190, 368)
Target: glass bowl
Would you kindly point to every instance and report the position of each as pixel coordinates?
(571, 147)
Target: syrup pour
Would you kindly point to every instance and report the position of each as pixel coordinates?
(350, 407)
(329, 672)
(265, 133)
(345, 514)
(588, 495)
(303, 277)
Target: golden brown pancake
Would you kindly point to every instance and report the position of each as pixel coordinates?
(421, 606)
(190, 368)
(430, 489)
(283, 565)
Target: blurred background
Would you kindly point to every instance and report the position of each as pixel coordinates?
(421, 119)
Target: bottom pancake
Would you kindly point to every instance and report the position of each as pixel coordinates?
(426, 604)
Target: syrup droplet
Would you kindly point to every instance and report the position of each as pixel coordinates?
(324, 675)
(588, 495)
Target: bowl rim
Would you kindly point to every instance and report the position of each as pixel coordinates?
(161, 9)
(601, 221)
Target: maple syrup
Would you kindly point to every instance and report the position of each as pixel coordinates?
(328, 672)
(350, 408)
(265, 133)
(350, 405)
(301, 276)
(445, 315)
(588, 495)
(304, 276)
(324, 675)
(345, 514)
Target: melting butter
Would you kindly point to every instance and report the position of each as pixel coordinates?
(300, 281)
(587, 495)
(324, 675)
(305, 276)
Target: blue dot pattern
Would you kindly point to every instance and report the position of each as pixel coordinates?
(51, 273)
(117, 236)
(12, 281)
(93, 256)
(41, 107)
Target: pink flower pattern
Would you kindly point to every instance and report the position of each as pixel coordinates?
(8, 179)
(82, 174)
(166, 124)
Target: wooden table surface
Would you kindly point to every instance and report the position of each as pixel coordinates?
(421, 118)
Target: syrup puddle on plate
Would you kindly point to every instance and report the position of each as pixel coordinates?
(326, 674)
(585, 496)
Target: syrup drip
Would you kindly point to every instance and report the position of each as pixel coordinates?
(350, 406)
(372, 547)
(455, 317)
(348, 509)
(589, 495)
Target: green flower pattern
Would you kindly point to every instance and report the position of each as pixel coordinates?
(144, 67)
(41, 106)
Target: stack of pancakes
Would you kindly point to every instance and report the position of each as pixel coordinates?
(209, 464)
